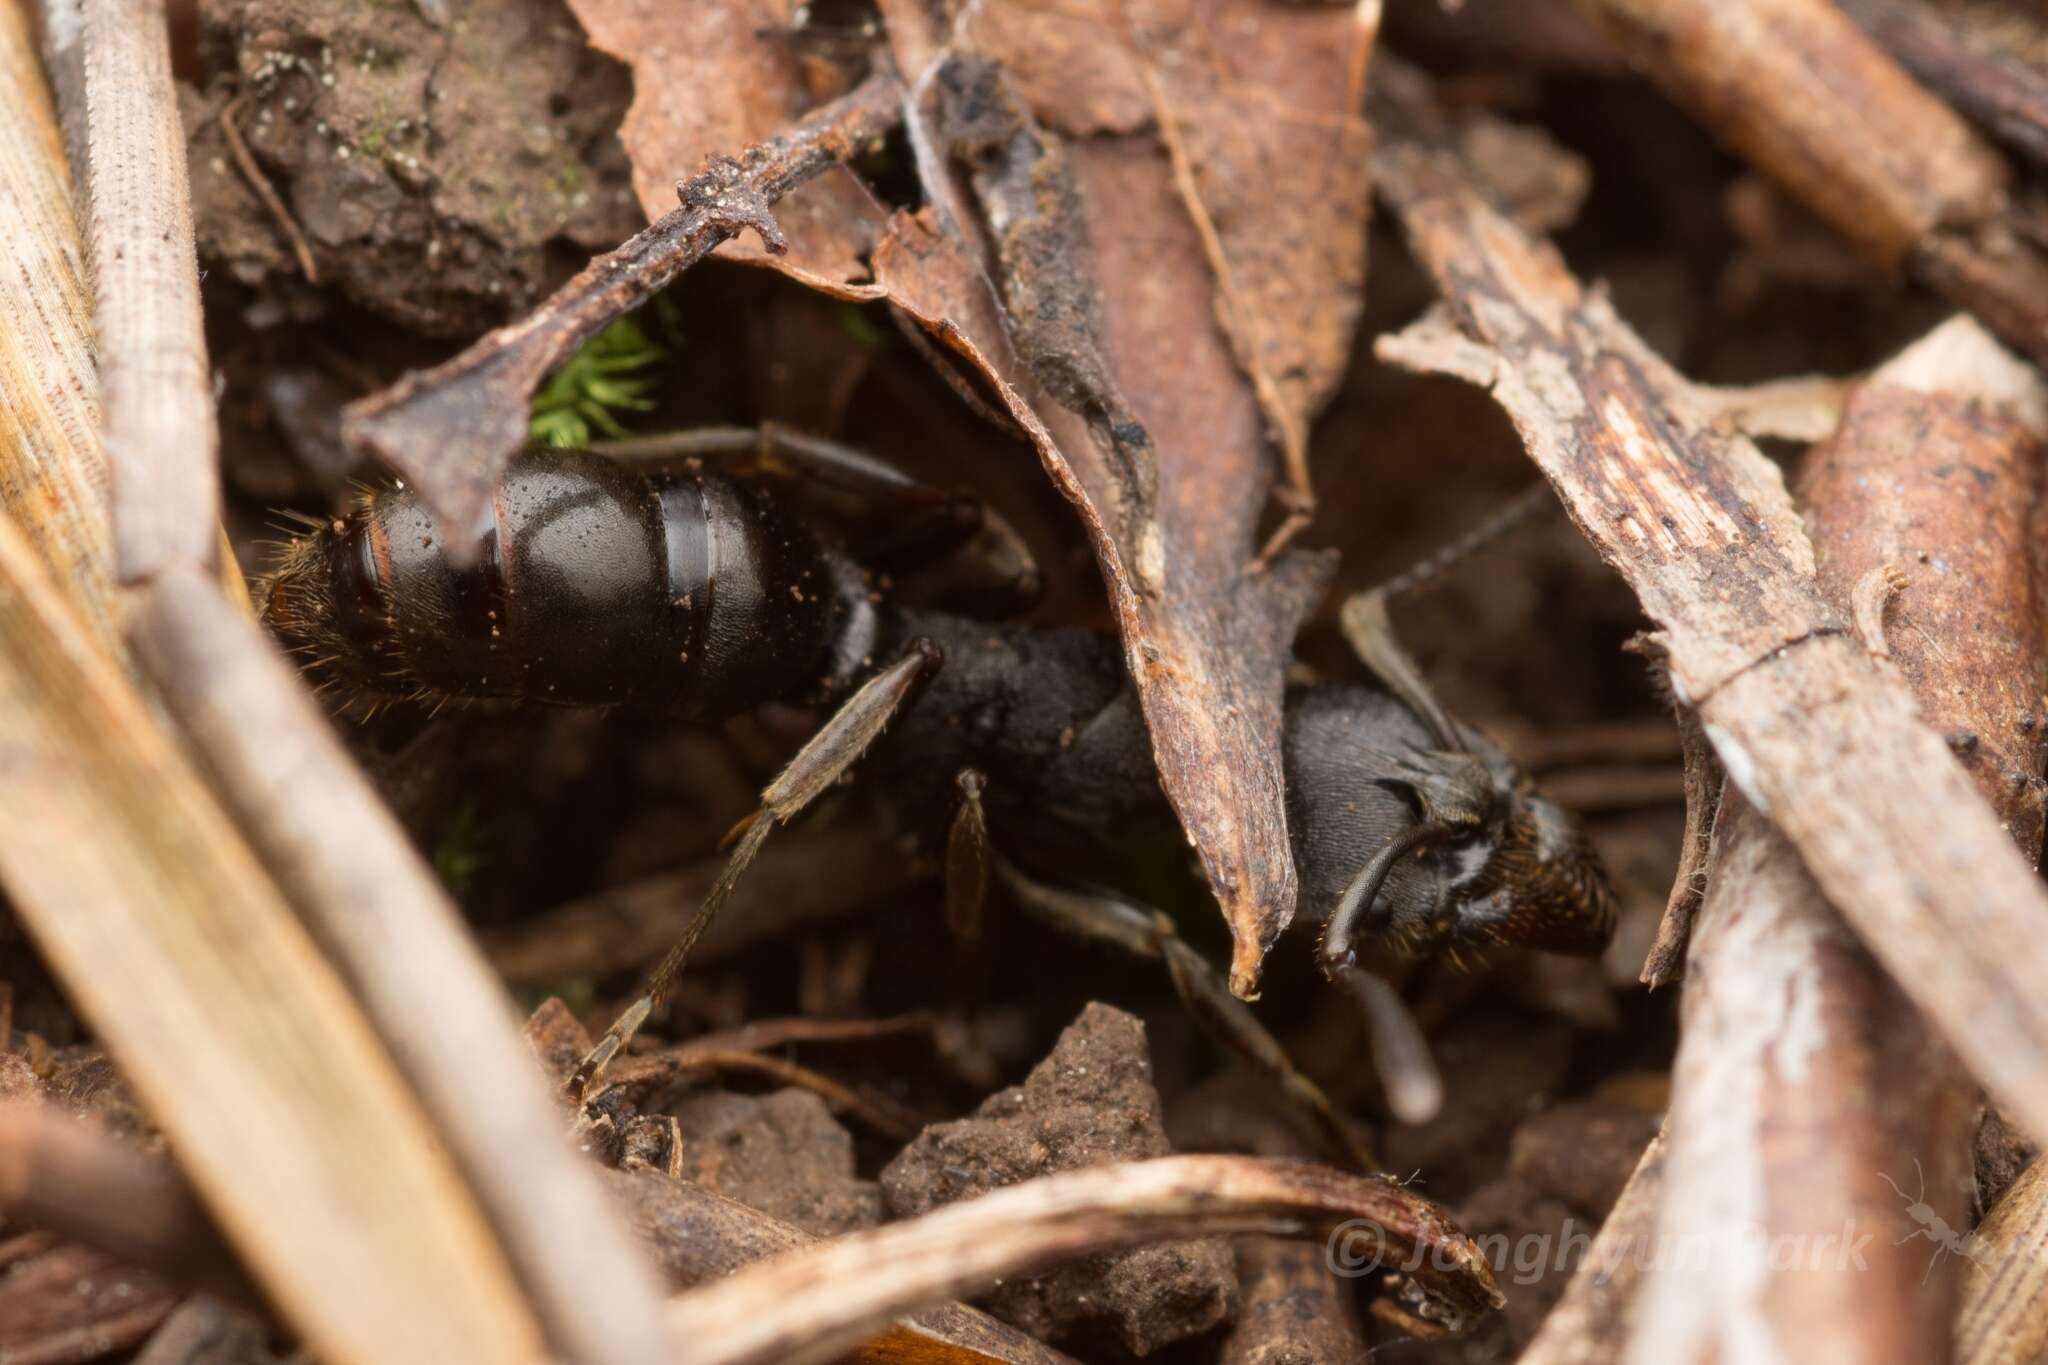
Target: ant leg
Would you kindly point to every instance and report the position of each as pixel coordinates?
(967, 867)
(1408, 1075)
(1220, 1014)
(967, 862)
(822, 761)
(1400, 1054)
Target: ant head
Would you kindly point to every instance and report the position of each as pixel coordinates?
(1523, 877)
(1426, 846)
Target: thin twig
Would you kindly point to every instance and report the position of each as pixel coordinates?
(1776, 1125)
(1796, 87)
(71, 1178)
(2007, 96)
(812, 1305)
(877, 1111)
(698, 1236)
(761, 1034)
(231, 132)
(449, 430)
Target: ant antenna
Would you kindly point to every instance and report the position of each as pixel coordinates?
(1370, 631)
(1517, 512)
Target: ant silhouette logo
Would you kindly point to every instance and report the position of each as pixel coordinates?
(1935, 1228)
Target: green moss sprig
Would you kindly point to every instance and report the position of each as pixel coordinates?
(604, 378)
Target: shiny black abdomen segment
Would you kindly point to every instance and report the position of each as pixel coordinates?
(775, 604)
(581, 560)
(595, 584)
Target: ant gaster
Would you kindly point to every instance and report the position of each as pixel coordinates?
(701, 590)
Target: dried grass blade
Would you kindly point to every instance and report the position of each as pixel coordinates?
(53, 474)
(289, 1117)
(160, 436)
(373, 901)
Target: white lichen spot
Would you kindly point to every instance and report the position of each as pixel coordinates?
(1151, 558)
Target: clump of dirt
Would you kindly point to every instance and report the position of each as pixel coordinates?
(1566, 1167)
(1091, 1102)
(782, 1153)
(1499, 1066)
(1530, 1238)
(444, 165)
(1582, 1151)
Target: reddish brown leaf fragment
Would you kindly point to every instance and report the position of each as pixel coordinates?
(1254, 103)
(1271, 163)
(1208, 652)
(1207, 642)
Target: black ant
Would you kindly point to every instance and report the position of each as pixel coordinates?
(704, 590)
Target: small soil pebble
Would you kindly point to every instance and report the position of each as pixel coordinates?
(1582, 1152)
(782, 1153)
(1091, 1102)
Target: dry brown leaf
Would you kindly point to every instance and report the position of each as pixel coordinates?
(708, 79)
(1251, 101)
(1213, 294)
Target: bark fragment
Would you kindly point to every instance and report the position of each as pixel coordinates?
(1830, 746)
(1810, 1096)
